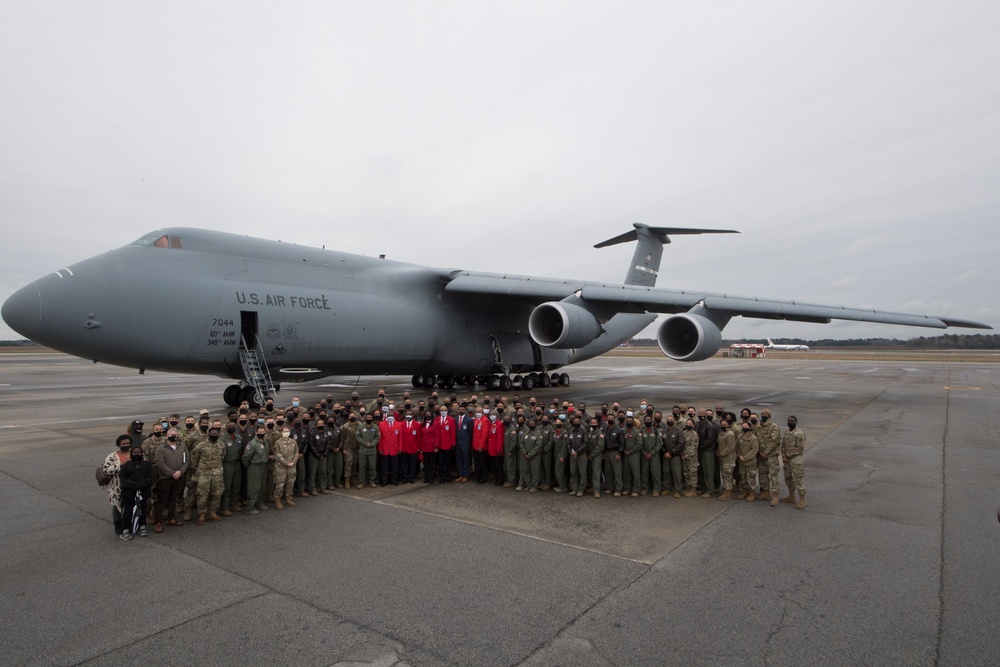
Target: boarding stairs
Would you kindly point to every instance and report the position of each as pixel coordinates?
(255, 370)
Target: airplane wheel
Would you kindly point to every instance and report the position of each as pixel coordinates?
(544, 380)
(249, 394)
(232, 395)
(506, 384)
(555, 379)
(564, 380)
(446, 381)
(429, 380)
(527, 383)
(471, 380)
(493, 383)
(516, 380)
(417, 381)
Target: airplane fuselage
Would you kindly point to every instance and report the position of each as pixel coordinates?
(316, 312)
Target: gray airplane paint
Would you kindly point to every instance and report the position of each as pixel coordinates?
(179, 299)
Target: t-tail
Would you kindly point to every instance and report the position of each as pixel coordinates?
(645, 266)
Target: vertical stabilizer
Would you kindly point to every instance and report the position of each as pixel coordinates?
(645, 267)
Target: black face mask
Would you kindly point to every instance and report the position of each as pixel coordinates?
(243, 422)
(746, 430)
(320, 427)
(688, 428)
(763, 420)
(792, 425)
(368, 421)
(157, 434)
(137, 457)
(189, 426)
(231, 429)
(753, 421)
(171, 438)
(203, 428)
(213, 438)
(648, 424)
(270, 427)
(352, 418)
(260, 435)
(621, 419)
(125, 446)
(172, 423)
(670, 424)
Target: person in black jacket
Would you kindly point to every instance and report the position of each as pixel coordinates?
(137, 483)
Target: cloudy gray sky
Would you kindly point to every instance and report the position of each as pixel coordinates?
(856, 145)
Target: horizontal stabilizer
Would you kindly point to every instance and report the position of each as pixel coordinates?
(661, 232)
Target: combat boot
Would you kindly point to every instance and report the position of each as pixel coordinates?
(360, 486)
(751, 497)
(213, 516)
(764, 495)
(289, 501)
(278, 505)
(201, 519)
(741, 495)
(790, 498)
(726, 495)
(226, 513)
(774, 500)
(802, 501)
(187, 513)
(691, 493)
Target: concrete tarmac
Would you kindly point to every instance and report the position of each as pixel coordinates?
(892, 562)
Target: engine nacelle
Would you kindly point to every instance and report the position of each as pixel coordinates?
(562, 325)
(688, 337)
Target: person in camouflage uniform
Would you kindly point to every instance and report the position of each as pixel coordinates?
(367, 436)
(192, 439)
(747, 448)
(793, 446)
(207, 458)
(596, 441)
(769, 435)
(529, 444)
(632, 452)
(649, 463)
(232, 470)
(349, 441)
(149, 446)
(727, 459)
(286, 455)
(576, 440)
(690, 458)
(672, 472)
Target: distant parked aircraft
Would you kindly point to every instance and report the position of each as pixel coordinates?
(772, 346)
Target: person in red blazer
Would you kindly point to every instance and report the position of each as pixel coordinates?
(494, 448)
(446, 431)
(390, 433)
(480, 438)
(409, 445)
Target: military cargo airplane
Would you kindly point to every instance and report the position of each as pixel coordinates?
(264, 312)
(771, 346)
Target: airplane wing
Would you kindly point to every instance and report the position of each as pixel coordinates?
(638, 299)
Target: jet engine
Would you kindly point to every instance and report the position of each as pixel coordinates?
(688, 337)
(562, 325)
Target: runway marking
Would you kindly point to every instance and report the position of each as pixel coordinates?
(803, 378)
(964, 388)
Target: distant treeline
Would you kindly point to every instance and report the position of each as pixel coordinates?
(18, 343)
(945, 342)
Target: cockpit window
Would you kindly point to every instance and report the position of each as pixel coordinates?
(160, 241)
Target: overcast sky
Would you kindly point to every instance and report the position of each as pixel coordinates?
(856, 145)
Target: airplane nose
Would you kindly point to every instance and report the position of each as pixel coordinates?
(23, 311)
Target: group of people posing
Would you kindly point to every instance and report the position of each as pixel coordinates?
(213, 468)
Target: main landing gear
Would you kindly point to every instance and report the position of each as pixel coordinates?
(235, 394)
(493, 382)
